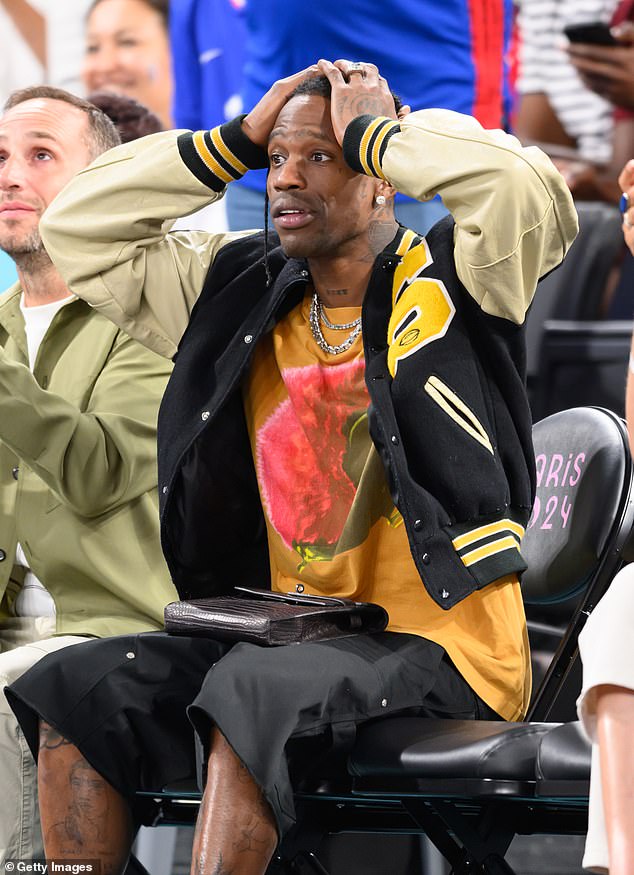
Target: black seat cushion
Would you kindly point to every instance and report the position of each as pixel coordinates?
(564, 754)
(413, 747)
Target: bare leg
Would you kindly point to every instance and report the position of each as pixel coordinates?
(615, 715)
(236, 832)
(83, 817)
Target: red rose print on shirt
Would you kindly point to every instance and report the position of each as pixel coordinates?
(301, 453)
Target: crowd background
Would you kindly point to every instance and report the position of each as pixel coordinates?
(196, 63)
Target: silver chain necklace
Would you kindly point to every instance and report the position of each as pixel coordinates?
(317, 315)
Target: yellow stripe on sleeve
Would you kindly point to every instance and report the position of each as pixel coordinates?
(489, 550)
(365, 141)
(208, 159)
(484, 531)
(226, 153)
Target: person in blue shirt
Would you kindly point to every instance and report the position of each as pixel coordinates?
(208, 42)
(448, 55)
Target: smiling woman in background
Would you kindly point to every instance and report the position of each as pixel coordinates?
(127, 52)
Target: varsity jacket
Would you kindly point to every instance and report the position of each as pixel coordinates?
(442, 335)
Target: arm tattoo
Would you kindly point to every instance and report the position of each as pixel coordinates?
(362, 104)
(50, 738)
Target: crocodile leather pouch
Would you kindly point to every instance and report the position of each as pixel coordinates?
(273, 619)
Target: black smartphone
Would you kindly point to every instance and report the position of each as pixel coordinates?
(593, 32)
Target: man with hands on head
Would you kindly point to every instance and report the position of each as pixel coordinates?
(346, 416)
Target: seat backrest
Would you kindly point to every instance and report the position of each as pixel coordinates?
(582, 363)
(575, 289)
(581, 523)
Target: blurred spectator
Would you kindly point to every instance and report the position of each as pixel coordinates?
(449, 55)
(564, 105)
(208, 38)
(42, 42)
(128, 52)
(131, 118)
(554, 108)
(608, 71)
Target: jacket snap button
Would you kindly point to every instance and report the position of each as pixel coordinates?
(299, 587)
(394, 440)
(248, 338)
(204, 415)
(383, 703)
(444, 594)
(304, 274)
(164, 490)
(3, 555)
(129, 655)
(15, 471)
(418, 525)
(426, 558)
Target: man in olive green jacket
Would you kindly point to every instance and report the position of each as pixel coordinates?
(79, 546)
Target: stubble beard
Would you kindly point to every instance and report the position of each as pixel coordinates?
(28, 251)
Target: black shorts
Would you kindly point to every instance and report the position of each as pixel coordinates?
(125, 703)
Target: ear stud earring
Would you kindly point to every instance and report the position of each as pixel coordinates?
(379, 200)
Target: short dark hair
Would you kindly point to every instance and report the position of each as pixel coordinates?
(160, 6)
(101, 134)
(131, 118)
(320, 85)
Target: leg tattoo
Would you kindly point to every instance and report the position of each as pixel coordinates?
(83, 817)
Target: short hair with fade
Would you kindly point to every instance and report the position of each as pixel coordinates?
(101, 132)
(320, 85)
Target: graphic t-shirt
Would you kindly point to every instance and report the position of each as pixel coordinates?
(332, 526)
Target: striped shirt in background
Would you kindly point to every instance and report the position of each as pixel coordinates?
(544, 67)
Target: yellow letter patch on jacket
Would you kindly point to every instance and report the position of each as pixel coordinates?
(421, 308)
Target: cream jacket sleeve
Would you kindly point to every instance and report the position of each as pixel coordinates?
(108, 235)
(106, 231)
(515, 218)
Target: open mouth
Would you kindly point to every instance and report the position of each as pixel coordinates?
(290, 218)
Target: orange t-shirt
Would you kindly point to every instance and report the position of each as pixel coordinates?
(332, 526)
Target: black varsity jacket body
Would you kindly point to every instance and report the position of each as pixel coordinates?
(448, 415)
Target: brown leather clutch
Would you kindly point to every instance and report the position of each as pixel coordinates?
(273, 619)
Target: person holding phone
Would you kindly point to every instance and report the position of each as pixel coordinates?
(560, 108)
(603, 56)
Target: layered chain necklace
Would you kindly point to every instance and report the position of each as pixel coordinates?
(317, 315)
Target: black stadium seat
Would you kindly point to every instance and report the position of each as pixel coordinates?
(472, 786)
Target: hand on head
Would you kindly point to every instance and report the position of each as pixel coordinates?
(258, 124)
(357, 89)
